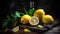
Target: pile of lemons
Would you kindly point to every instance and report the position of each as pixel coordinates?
(39, 14)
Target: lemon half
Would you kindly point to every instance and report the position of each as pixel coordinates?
(34, 21)
(16, 29)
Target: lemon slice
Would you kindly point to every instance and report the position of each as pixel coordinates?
(15, 29)
(26, 30)
(34, 21)
(40, 26)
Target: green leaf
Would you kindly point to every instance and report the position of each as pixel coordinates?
(14, 16)
(14, 23)
(31, 11)
(8, 17)
(17, 14)
(5, 23)
(25, 11)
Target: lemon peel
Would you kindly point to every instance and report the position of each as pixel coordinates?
(25, 19)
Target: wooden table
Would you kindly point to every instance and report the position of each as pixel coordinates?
(55, 30)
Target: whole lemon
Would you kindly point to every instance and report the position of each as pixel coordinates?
(25, 19)
(39, 13)
(47, 19)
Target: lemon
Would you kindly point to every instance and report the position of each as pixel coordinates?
(26, 30)
(47, 19)
(40, 26)
(34, 21)
(16, 29)
(25, 19)
(39, 13)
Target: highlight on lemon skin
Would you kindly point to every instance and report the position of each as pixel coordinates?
(25, 19)
(47, 19)
(39, 13)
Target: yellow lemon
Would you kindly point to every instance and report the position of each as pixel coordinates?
(40, 26)
(39, 13)
(26, 30)
(47, 19)
(25, 19)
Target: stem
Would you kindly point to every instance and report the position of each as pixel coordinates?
(26, 11)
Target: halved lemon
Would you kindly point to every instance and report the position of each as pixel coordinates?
(34, 21)
(39, 13)
(25, 19)
(47, 19)
(15, 29)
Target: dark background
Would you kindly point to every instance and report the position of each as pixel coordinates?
(9, 6)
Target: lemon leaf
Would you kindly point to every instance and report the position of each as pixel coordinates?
(8, 18)
(31, 11)
(5, 23)
(14, 16)
(25, 11)
(13, 23)
(17, 14)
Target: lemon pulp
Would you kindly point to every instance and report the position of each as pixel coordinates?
(34, 21)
